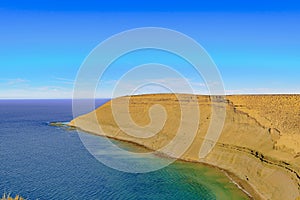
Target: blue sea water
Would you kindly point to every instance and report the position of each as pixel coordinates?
(39, 161)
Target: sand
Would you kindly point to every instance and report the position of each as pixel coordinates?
(259, 146)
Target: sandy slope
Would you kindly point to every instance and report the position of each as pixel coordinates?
(259, 144)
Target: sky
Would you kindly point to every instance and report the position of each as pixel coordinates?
(254, 44)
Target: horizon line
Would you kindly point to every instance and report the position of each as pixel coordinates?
(238, 94)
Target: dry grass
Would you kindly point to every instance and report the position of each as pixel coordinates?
(8, 197)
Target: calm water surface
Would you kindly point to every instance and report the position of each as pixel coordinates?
(39, 161)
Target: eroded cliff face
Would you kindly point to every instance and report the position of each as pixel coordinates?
(259, 143)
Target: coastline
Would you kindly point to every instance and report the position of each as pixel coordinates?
(258, 146)
(241, 184)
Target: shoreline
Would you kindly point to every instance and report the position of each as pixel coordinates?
(242, 185)
(257, 147)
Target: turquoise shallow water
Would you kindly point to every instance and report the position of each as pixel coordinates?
(39, 161)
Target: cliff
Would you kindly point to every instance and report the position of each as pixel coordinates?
(259, 143)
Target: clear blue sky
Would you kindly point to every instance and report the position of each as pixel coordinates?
(255, 44)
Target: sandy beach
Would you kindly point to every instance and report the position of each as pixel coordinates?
(258, 147)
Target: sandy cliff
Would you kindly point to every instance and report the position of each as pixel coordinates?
(259, 144)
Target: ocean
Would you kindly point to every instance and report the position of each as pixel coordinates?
(39, 161)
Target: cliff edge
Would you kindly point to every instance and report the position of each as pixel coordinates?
(259, 143)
